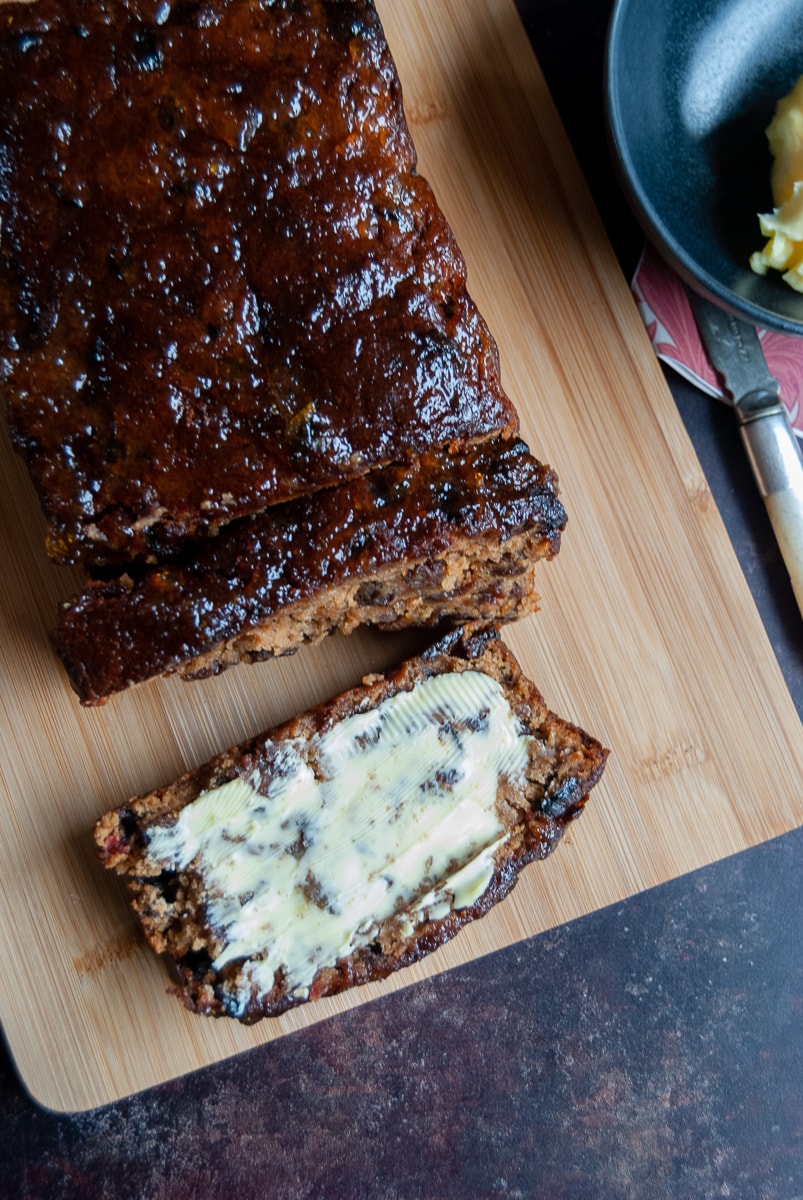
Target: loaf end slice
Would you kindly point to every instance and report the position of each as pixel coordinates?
(454, 537)
(356, 838)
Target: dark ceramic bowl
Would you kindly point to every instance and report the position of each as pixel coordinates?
(691, 86)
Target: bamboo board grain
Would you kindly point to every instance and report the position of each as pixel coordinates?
(648, 635)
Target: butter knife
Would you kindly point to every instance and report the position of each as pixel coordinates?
(734, 350)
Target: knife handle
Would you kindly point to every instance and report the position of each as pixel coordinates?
(778, 467)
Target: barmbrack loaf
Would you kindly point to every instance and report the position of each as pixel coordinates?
(358, 837)
(456, 538)
(223, 283)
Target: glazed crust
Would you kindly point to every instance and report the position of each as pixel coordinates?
(456, 538)
(565, 764)
(222, 282)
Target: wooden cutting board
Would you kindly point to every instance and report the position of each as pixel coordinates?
(648, 635)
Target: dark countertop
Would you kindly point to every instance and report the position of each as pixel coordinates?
(653, 1049)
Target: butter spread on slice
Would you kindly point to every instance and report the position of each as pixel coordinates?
(390, 813)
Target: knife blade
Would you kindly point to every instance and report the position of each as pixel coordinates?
(734, 349)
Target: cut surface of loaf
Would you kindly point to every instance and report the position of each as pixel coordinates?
(223, 283)
(454, 537)
(356, 838)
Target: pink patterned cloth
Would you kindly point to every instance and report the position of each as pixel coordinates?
(666, 312)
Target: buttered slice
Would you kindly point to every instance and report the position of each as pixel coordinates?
(390, 814)
(356, 838)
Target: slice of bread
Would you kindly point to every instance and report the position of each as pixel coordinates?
(455, 537)
(356, 838)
